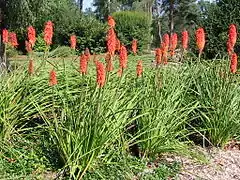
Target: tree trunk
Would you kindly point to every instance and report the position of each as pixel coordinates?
(171, 16)
(80, 4)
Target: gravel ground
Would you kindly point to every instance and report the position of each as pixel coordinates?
(223, 164)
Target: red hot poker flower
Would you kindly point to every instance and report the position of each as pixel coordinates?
(73, 41)
(83, 64)
(164, 53)
(52, 78)
(111, 21)
(173, 43)
(234, 63)
(139, 69)
(30, 67)
(232, 38)
(185, 39)
(31, 35)
(118, 45)
(134, 46)
(200, 39)
(111, 41)
(28, 46)
(87, 54)
(48, 33)
(158, 56)
(13, 39)
(166, 40)
(101, 74)
(5, 36)
(123, 57)
(109, 64)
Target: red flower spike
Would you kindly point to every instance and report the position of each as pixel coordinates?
(158, 56)
(30, 67)
(139, 69)
(109, 64)
(101, 74)
(123, 57)
(173, 43)
(48, 33)
(13, 39)
(31, 35)
(52, 78)
(111, 22)
(28, 46)
(73, 41)
(185, 39)
(5, 36)
(200, 39)
(232, 38)
(111, 41)
(134, 46)
(234, 63)
(164, 49)
(83, 64)
(166, 40)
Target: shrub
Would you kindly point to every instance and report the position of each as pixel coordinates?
(133, 25)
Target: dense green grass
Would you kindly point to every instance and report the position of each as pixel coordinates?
(77, 130)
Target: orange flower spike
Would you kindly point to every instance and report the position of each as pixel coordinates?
(31, 35)
(13, 39)
(232, 38)
(83, 64)
(109, 63)
(101, 74)
(28, 46)
(87, 54)
(134, 46)
(73, 41)
(139, 69)
(234, 63)
(123, 57)
(48, 33)
(200, 39)
(111, 41)
(166, 41)
(158, 56)
(53, 78)
(173, 43)
(111, 22)
(185, 39)
(164, 49)
(5, 36)
(30, 67)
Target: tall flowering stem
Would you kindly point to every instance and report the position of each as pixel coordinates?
(139, 69)
(185, 39)
(28, 46)
(31, 33)
(48, 33)
(101, 74)
(123, 57)
(118, 45)
(5, 36)
(109, 63)
(30, 67)
(53, 78)
(73, 42)
(200, 40)
(173, 43)
(111, 22)
(111, 41)
(234, 63)
(13, 39)
(158, 56)
(164, 48)
(87, 54)
(166, 41)
(232, 38)
(134, 46)
(83, 64)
